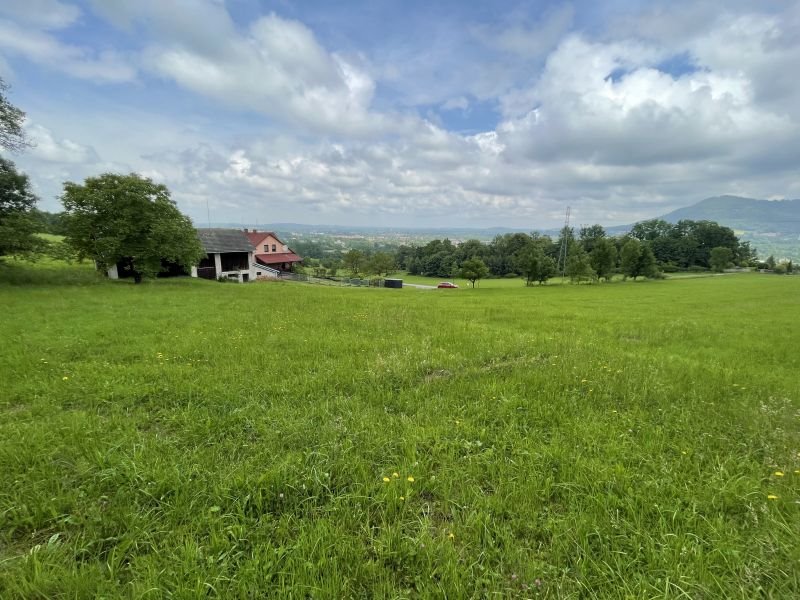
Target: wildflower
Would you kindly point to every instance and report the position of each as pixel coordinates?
(64, 378)
(386, 480)
(778, 473)
(395, 475)
(683, 451)
(410, 479)
(797, 471)
(583, 381)
(402, 498)
(772, 497)
(451, 535)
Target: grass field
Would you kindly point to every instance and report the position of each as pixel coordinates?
(189, 439)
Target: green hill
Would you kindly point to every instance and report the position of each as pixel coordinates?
(746, 214)
(771, 226)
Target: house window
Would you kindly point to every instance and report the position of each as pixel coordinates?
(273, 247)
(266, 247)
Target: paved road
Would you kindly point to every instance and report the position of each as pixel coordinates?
(419, 286)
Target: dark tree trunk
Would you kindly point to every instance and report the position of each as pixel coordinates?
(137, 277)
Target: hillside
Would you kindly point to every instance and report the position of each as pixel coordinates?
(772, 227)
(497, 442)
(745, 214)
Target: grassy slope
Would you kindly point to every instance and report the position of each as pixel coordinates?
(187, 438)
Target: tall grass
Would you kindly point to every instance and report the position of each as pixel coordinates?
(184, 438)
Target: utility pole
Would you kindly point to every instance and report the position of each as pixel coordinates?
(564, 250)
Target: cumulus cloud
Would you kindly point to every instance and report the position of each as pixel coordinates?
(591, 119)
(277, 68)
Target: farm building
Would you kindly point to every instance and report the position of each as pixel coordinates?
(271, 251)
(229, 254)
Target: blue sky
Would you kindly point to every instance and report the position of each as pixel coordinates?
(411, 113)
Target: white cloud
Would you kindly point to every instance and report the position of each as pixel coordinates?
(48, 14)
(578, 111)
(48, 148)
(590, 120)
(45, 49)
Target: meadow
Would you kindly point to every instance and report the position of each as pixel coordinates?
(185, 439)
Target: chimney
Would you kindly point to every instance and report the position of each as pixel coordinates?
(245, 229)
(255, 230)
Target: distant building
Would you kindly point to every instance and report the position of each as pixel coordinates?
(270, 251)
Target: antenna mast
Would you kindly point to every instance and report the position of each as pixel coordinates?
(564, 250)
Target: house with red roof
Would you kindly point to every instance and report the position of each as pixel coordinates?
(271, 252)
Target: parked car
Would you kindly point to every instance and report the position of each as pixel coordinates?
(447, 284)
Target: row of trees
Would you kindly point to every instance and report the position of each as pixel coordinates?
(651, 246)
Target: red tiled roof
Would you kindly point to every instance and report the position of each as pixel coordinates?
(256, 236)
(277, 257)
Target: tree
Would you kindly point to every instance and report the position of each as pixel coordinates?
(637, 259)
(535, 265)
(12, 134)
(647, 231)
(579, 267)
(114, 217)
(17, 223)
(721, 258)
(771, 262)
(603, 258)
(354, 261)
(474, 269)
(381, 263)
(591, 236)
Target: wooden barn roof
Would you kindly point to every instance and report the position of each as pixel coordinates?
(224, 240)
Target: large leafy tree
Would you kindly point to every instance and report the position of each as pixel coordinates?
(720, 258)
(354, 261)
(637, 259)
(381, 263)
(579, 266)
(603, 258)
(17, 223)
(12, 134)
(536, 265)
(114, 217)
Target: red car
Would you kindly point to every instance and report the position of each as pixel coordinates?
(447, 284)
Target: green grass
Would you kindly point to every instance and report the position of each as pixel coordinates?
(188, 439)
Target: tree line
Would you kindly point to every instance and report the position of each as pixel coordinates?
(650, 248)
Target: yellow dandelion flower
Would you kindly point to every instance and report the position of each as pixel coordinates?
(386, 480)
(451, 535)
(410, 479)
(583, 381)
(64, 378)
(395, 475)
(402, 498)
(797, 471)
(778, 473)
(772, 497)
(683, 451)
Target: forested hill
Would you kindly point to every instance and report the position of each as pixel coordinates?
(745, 214)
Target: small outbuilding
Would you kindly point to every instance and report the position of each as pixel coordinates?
(229, 254)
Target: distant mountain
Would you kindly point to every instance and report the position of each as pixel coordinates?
(744, 214)
(771, 226)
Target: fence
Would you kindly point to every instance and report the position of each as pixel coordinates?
(337, 281)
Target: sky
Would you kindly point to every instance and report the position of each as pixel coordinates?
(413, 113)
